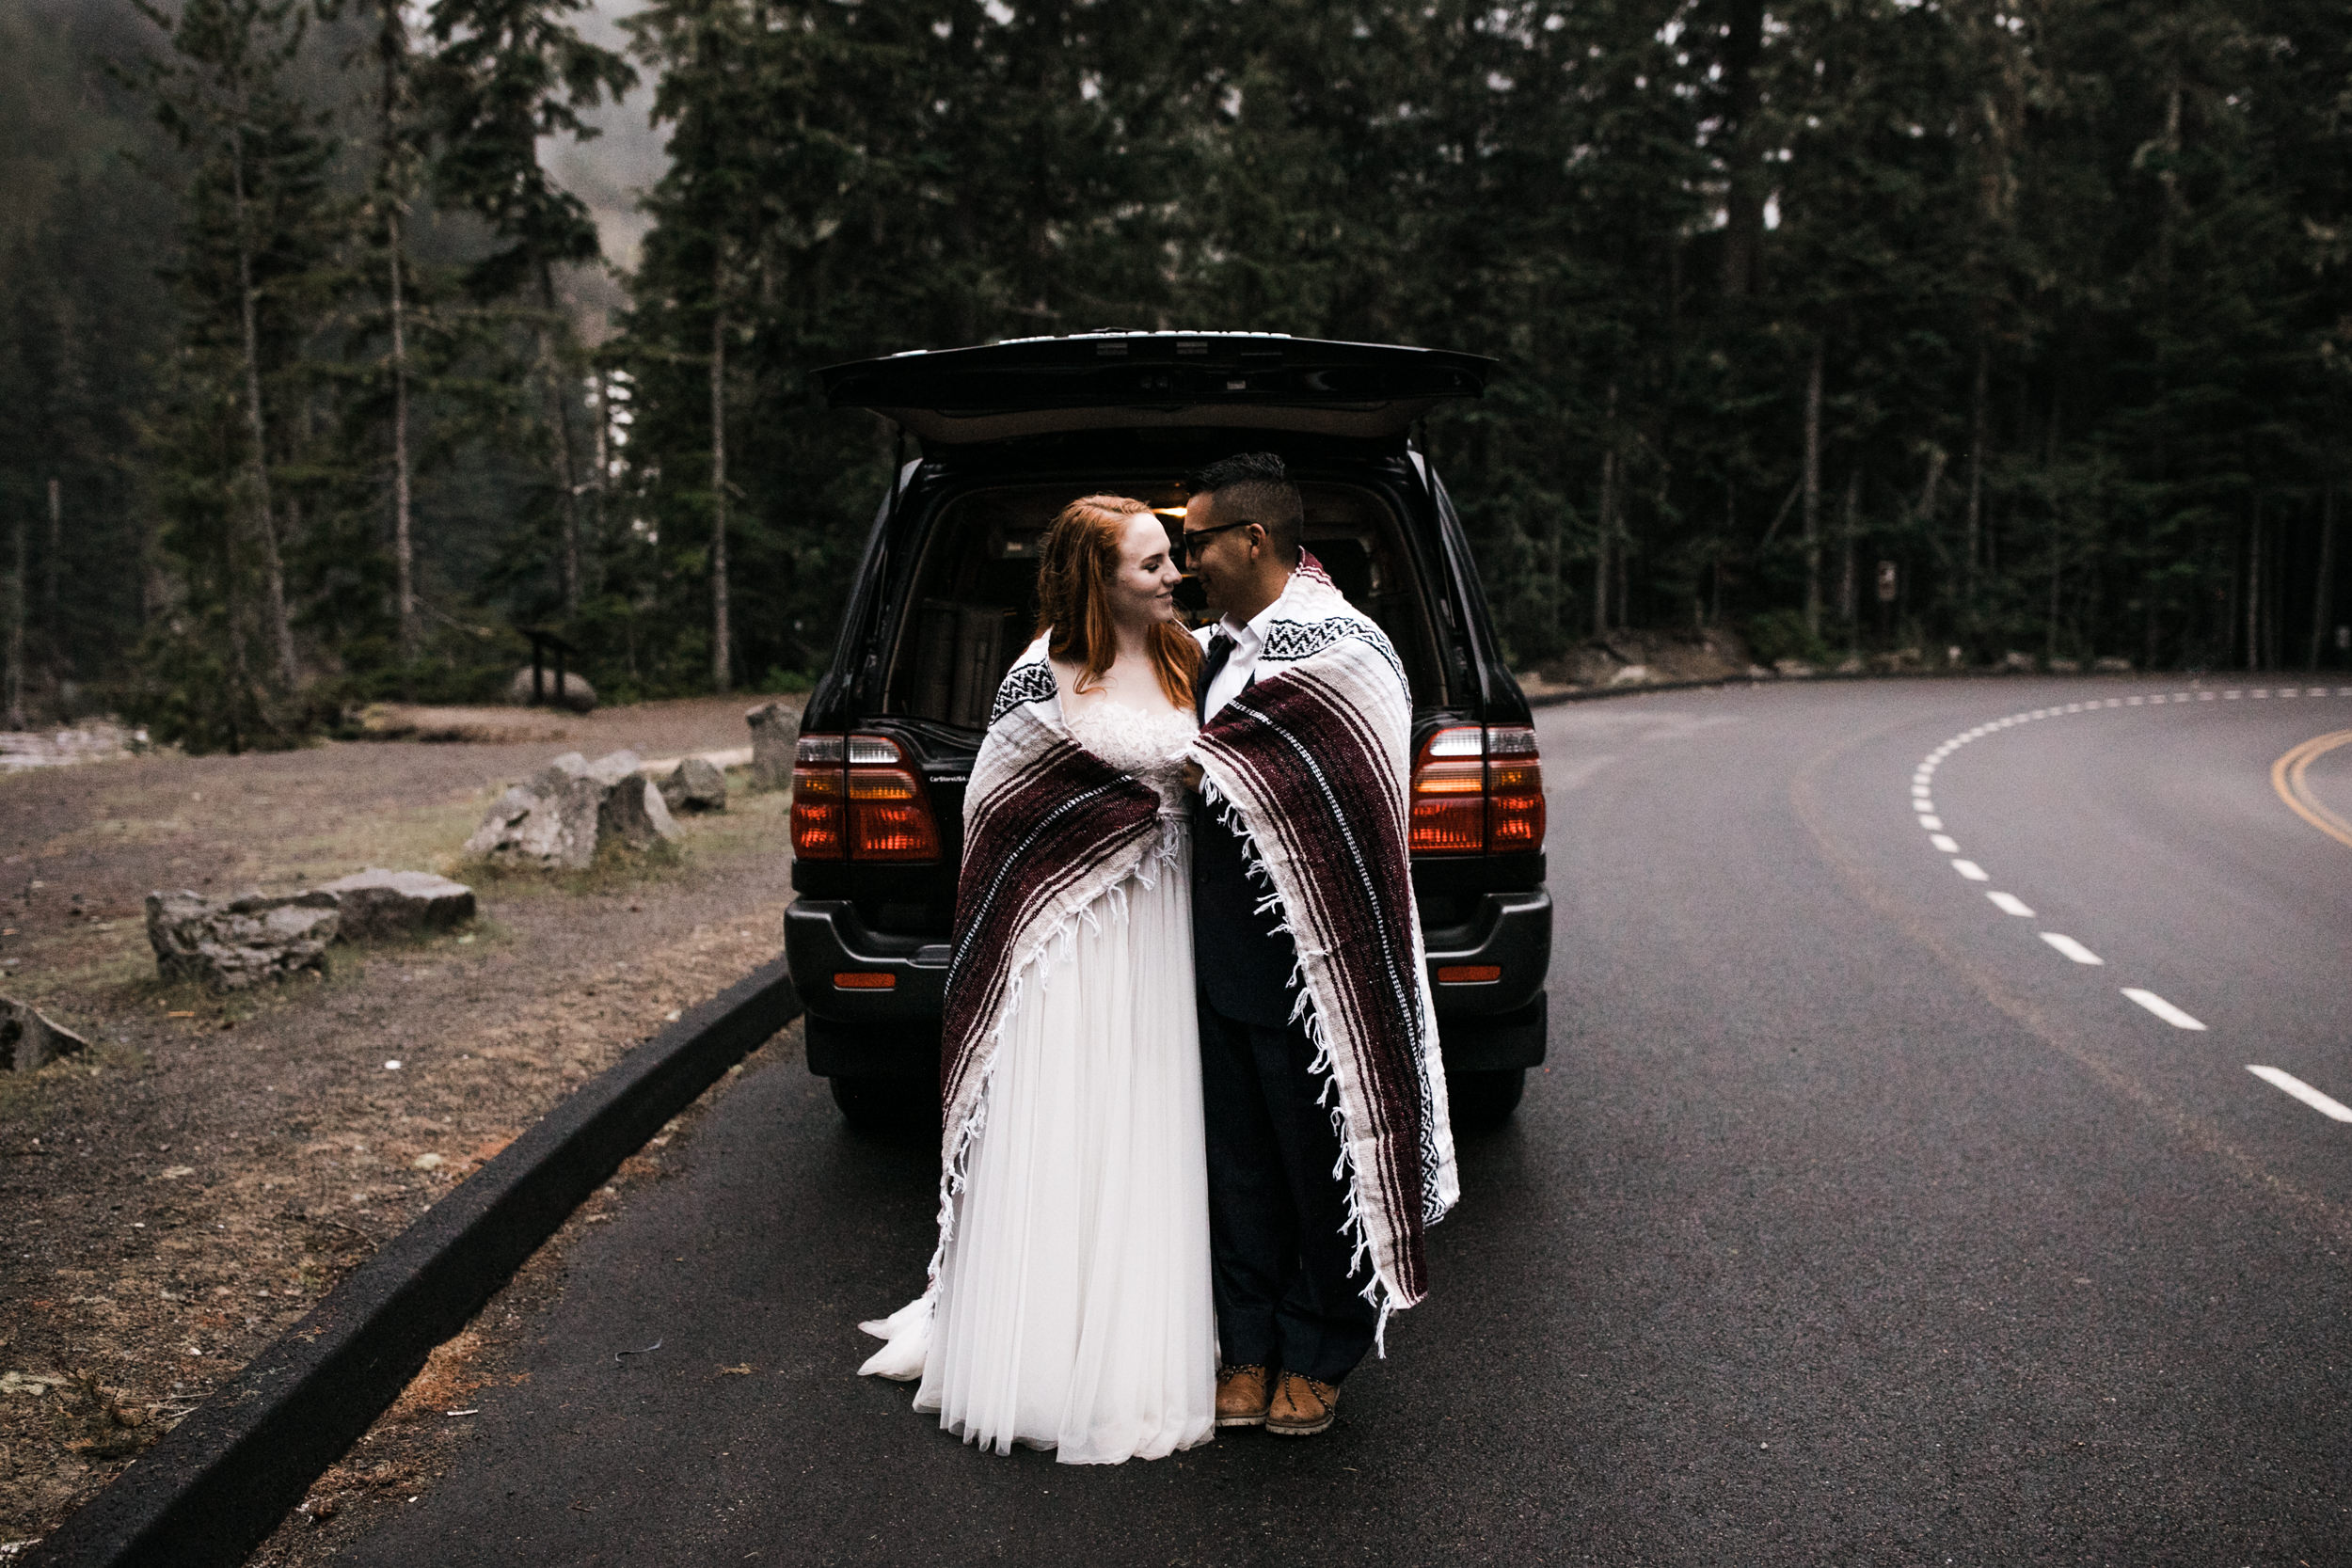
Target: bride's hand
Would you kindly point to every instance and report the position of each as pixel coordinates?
(1192, 775)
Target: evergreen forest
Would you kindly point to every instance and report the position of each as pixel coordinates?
(1985, 329)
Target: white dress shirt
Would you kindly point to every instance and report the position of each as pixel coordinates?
(1249, 641)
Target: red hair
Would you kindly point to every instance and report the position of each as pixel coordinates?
(1077, 561)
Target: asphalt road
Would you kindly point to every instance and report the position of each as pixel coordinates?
(1853, 1221)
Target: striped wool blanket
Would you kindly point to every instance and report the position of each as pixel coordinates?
(1049, 828)
(1311, 762)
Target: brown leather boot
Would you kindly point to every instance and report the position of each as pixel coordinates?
(1302, 1407)
(1241, 1396)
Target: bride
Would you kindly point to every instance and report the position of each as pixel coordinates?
(1070, 1304)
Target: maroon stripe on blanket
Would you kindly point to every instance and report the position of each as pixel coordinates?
(1291, 742)
(1043, 828)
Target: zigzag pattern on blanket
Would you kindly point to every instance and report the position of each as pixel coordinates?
(1312, 757)
(1054, 820)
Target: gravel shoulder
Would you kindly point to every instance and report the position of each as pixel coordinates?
(190, 1186)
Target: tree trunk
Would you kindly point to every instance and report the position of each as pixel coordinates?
(1608, 520)
(2320, 589)
(16, 632)
(1744, 45)
(2167, 177)
(1812, 513)
(53, 612)
(2050, 628)
(281, 627)
(718, 634)
(393, 101)
(1931, 490)
(240, 668)
(404, 555)
(1973, 531)
(1556, 550)
(2275, 600)
(1731, 532)
(558, 393)
(2254, 587)
(2057, 532)
(1601, 547)
(600, 453)
(1624, 615)
(1849, 601)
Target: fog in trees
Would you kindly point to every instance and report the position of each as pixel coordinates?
(2038, 310)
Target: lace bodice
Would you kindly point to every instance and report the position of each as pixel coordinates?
(1149, 745)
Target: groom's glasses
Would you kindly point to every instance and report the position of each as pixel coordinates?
(1188, 540)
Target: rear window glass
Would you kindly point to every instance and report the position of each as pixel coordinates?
(974, 605)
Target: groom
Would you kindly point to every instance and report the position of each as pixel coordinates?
(1311, 1239)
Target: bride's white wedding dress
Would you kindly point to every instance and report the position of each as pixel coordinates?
(1072, 1308)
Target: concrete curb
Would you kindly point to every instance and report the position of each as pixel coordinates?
(213, 1489)
(1603, 694)
(1644, 688)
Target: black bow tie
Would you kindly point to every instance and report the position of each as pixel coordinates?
(1220, 650)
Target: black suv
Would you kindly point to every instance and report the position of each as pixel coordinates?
(945, 601)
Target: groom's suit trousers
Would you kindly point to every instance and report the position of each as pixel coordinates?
(1278, 1261)
(1285, 1296)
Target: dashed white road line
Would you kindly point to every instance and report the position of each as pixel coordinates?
(2163, 1009)
(1922, 803)
(2324, 1104)
(2071, 948)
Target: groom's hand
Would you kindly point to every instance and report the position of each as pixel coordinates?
(1192, 775)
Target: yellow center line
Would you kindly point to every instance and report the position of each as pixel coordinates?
(2286, 777)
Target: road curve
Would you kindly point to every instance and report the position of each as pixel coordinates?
(1856, 1220)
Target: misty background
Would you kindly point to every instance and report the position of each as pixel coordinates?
(1890, 333)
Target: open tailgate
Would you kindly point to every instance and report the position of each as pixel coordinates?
(1126, 380)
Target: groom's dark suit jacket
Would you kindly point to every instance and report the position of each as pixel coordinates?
(1244, 965)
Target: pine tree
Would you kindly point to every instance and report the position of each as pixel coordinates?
(258, 219)
(398, 160)
(506, 73)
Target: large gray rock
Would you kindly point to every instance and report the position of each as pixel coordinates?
(29, 1039)
(775, 734)
(575, 693)
(379, 904)
(632, 808)
(695, 784)
(230, 944)
(572, 806)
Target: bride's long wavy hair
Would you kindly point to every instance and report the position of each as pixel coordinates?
(1077, 561)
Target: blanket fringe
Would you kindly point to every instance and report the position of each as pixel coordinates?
(1353, 1229)
(1053, 947)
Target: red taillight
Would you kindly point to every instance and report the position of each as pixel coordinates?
(1477, 789)
(1449, 799)
(854, 797)
(1514, 789)
(819, 798)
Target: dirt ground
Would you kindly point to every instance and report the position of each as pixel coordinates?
(187, 1188)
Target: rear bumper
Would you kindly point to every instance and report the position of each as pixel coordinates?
(1493, 1025)
(1509, 933)
(885, 1020)
(870, 1030)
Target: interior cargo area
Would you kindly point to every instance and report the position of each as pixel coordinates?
(974, 607)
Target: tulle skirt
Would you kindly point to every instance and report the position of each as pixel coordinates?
(1073, 1309)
